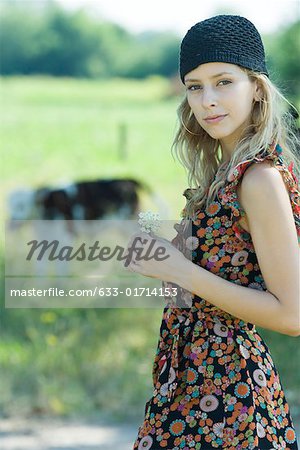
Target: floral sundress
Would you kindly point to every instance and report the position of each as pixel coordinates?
(215, 384)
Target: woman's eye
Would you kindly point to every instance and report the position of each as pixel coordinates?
(194, 87)
(225, 82)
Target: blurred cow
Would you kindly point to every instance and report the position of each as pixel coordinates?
(75, 210)
(85, 200)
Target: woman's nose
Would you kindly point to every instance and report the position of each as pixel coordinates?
(209, 97)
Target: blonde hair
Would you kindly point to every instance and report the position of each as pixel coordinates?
(201, 155)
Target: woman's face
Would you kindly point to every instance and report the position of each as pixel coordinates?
(221, 98)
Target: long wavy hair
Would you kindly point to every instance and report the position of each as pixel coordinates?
(201, 155)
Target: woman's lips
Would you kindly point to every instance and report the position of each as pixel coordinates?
(216, 119)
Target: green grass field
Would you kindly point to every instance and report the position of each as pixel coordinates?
(86, 361)
(59, 130)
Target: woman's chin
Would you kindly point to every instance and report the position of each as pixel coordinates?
(215, 135)
(218, 134)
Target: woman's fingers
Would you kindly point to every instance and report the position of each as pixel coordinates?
(139, 242)
(135, 238)
(135, 243)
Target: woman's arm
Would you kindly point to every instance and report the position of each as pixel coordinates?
(266, 202)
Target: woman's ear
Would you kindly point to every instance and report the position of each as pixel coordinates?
(258, 91)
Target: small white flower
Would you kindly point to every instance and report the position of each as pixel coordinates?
(149, 221)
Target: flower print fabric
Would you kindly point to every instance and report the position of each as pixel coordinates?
(215, 384)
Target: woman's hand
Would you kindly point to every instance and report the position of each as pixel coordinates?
(154, 257)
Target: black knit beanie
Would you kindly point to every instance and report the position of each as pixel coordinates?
(222, 38)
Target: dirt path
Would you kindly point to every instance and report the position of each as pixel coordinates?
(18, 434)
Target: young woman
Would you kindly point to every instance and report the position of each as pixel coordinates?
(215, 383)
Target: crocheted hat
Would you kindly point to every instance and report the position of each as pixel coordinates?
(222, 38)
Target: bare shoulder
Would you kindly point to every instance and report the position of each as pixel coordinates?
(261, 174)
(261, 181)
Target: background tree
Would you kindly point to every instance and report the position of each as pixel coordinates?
(284, 59)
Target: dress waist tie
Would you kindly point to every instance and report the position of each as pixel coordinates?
(169, 376)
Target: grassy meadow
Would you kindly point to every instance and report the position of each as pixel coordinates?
(93, 361)
(59, 130)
